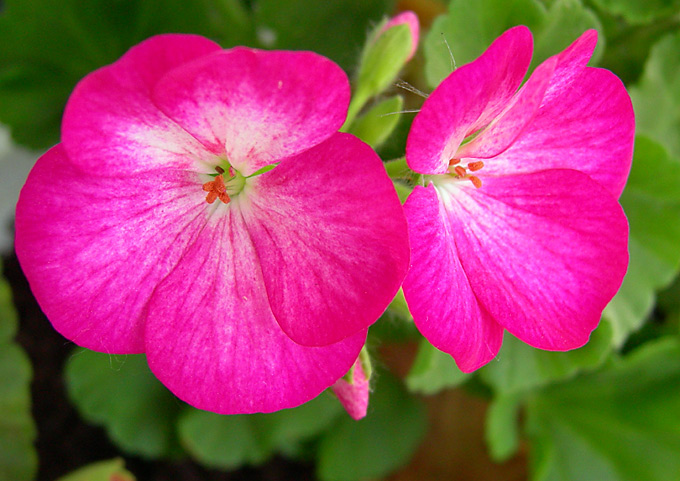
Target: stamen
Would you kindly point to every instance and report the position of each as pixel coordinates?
(460, 171)
(219, 169)
(232, 172)
(216, 190)
(475, 181)
(454, 161)
(475, 166)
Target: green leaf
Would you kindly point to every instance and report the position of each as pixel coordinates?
(121, 393)
(378, 444)
(433, 370)
(619, 424)
(501, 428)
(520, 367)
(470, 27)
(229, 442)
(18, 459)
(635, 11)
(8, 315)
(376, 125)
(289, 427)
(111, 470)
(222, 442)
(335, 29)
(566, 20)
(652, 205)
(656, 98)
(46, 46)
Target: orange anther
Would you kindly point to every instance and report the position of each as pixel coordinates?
(475, 181)
(454, 161)
(460, 171)
(216, 190)
(475, 166)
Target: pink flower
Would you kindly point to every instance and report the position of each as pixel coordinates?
(203, 209)
(519, 226)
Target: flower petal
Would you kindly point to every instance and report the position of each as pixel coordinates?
(467, 100)
(437, 290)
(586, 122)
(212, 339)
(94, 248)
(505, 128)
(256, 106)
(544, 252)
(110, 122)
(331, 237)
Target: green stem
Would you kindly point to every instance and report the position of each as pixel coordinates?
(398, 168)
(358, 101)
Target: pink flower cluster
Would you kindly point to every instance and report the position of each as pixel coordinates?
(202, 208)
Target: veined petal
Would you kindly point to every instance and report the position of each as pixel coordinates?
(437, 290)
(331, 237)
(505, 128)
(212, 339)
(585, 122)
(544, 252)
(94, 248)
(467, 100)
(257, 106)
(110, 122)
(570, 63)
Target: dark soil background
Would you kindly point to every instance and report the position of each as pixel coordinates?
(65, 442)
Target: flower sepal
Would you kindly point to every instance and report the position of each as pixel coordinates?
(388, 49)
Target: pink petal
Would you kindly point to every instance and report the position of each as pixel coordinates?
(212, 339)
(467, 100)
(409, 19)
(353, 395)
(585, 122)
(257, 107)
(331, 237)
(544, 252)
(110, 121)
(94, 248)
(437, 290)
(505, 128)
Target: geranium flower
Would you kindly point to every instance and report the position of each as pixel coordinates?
(202, 209)
(519, 227)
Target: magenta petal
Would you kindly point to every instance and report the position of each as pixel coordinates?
(544, 252)
(468, 100)
(505, 128)
(331, 237)
(94, 248)
(437, 290)
(586, 122)
(212, 339)
(257, 107)
(110, 121)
